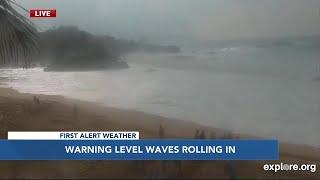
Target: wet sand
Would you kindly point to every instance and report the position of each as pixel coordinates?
(19, 112)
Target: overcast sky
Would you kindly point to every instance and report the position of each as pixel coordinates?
(196, 19)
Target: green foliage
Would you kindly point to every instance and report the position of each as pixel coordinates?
(18, 37)
(70, 48)
(67, 47)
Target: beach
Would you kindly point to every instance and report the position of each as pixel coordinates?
(19, 112)
(203, 81)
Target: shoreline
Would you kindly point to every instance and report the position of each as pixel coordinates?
(56, 113)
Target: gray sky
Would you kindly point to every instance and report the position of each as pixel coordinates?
(194, 19)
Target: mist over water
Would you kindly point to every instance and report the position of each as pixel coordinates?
(270, 92)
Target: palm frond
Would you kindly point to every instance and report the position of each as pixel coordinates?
(18, 36)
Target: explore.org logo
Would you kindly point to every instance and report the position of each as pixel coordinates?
(290, 167)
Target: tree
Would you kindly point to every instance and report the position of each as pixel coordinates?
(18, 36)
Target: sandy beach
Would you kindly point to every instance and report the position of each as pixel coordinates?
(19, 112)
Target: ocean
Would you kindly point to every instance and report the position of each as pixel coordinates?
(269, 91)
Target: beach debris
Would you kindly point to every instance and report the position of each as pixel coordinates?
(36, 100)
(196, 135)
(3, 124)
(202, 135)
(161, 132)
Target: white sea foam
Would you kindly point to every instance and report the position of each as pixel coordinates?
(257, 93)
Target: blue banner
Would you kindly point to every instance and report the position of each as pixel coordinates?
(139, 150)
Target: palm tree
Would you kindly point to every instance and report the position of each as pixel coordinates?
(18, 36)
